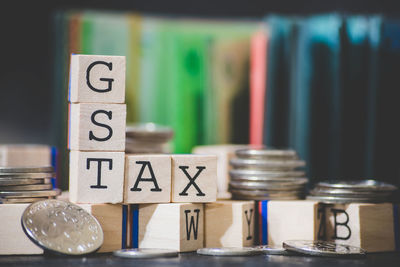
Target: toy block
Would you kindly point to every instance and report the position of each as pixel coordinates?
(147, 179)
(97, 79)
(96, 177)
(194, 178)
(224, 154)
(13, 239)
(372, 227)
(25, 155)
(178, 226)
(289, 220)
(97, 127)
(113, 221)
(229, 224)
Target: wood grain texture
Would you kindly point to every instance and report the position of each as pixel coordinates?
(13, 239)
(25, 155)
(84, 183)
(178, 226)
(147, 179)
(229, 224)
(97, 127)
(97, 79)
(194, 178)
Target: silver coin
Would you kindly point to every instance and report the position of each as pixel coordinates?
(12, 181)
(266, 154)
(257, 164)
(272, 181)
(149, 131)
(359, 185)
(38, 193)
(21, 200)
(239, 251)
(270, 193)
(240, 173)
(256, 185)
(62, 227)
(344, 200)
(26, 169)
(322, 248)
(27, 175)
(144, 253)
(26, 187)
(246, 197)
(273, 250)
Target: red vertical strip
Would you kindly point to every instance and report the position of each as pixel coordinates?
(258, 78)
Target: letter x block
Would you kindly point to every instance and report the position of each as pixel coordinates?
(194, 178)
(97, 79)
(178, 226)
(229, 224)
(289, 220)
(369, 226)
(96, 177)
(97, 127)
(147, 179)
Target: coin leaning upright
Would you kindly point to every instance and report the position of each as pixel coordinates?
(62, 227)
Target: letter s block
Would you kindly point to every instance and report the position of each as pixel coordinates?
(147, 179)
(97, 79)
(97, 127)
(96, 177)
(369, 226)
(194, 178)
(178, 226)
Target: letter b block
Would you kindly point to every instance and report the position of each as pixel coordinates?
(97, 127)
(178, 226)
(97, 79)
(96, 177)
(147, 179)
(194, 178)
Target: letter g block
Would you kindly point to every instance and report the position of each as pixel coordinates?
(97, 127)
(97, 79)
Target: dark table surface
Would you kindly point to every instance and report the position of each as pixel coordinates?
(193, 260)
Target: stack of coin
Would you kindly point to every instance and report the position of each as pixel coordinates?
(362, 191)
(148, 138)
(26, 184)
(260, 174)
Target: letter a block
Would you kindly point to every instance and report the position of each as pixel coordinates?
(369, 226)
(229, 224)
(96, 177)
(97, 127)
(178, 226)
(289, 220)
(147, 179)
(97, 79)
(194, 178)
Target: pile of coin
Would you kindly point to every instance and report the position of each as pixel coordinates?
(26, 184)
(148, 138)
(260, 174)
(362, 191)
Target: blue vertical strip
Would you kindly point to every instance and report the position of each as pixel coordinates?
(54, 164)
(264, 222)
(124, 225)
(396, 226)
(135, 226)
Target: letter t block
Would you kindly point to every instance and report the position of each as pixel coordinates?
(96, 177)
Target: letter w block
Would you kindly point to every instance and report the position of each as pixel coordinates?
(147, 179)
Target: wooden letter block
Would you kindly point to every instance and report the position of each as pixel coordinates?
(97, 79)
(147, 179)
(96, 177)
(112, 218)
(194, 178)
(229, 224)
(13, 238)
(224, 154)
(289, 220)
(97, 127)
(25, 155)
(178, 226)
(369, 226)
